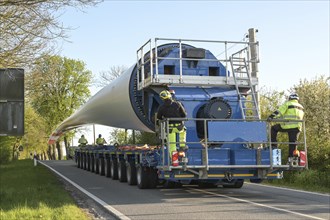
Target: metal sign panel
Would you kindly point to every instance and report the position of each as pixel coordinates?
(11, 102)
(237, 131)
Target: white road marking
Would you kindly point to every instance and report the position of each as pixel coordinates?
(257, 204)
(295, 190)
(114, 211)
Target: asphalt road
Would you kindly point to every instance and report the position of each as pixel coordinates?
(252, 201)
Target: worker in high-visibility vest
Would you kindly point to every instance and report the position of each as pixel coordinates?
(290, 110)
(100, 140)
(82, 141)
(173, 109)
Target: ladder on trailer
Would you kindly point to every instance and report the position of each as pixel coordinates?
(246, 94)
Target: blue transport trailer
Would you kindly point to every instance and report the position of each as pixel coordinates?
(228, 142)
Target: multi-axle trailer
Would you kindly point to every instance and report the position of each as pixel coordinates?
(213, 164)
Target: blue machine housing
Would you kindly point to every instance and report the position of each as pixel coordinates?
(146, 102)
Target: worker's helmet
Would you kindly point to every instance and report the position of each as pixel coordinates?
(293, 96)
(82, 136)
(165, 95)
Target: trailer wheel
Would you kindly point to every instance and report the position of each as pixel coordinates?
(92, 163)
(96, 165)
(89, 162)
(107, 167)
(85, 161)
(114, 169)
(131, 173)
(109, 161)
(256, 180)
(122, 171)
(101, 166)
(81, 160)
(237, 184)
(142, 177)
(153, 178)
(78, 161)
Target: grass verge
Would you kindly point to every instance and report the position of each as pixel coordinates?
(29, 192)
(308, 180)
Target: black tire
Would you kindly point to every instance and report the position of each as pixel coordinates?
(101, 166)
(256, 180)
(92, 163)
(85, 161)
(122, 176)
(81, 160)
(78, 161)
(131, 173)
(110, 175)
(88, 162)
(153, 178)
(142, 177)
(107, 172)
(114, 169)
(96, 165)
(237, 184)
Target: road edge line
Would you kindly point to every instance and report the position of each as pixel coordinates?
(105, 205)
(258, 204)
(295, 190)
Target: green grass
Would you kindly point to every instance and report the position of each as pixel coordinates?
(309, 180)
(29, 192)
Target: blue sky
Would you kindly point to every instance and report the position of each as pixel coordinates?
(293, 35)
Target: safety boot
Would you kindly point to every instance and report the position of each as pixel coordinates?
(290, 161)
(293, 161)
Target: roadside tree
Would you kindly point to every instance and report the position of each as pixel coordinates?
(315, 97)
(34, 139)
(29, 28)
(108, 76)
(56, 87)
(6, 144)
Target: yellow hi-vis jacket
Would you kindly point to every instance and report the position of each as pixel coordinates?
(100, 141)
(82, 140)
(291, 110)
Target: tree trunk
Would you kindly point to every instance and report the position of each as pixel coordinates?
(15, 150)
(49, 152)
(133, 134)
(66, 144)
(59, 150)
(54, 152)
(45, 155)
(14, 155)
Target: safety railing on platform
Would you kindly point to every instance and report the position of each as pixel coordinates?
(206, 143)
(148, 59)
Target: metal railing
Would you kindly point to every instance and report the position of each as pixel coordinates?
(164, 130)
(147, 62)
